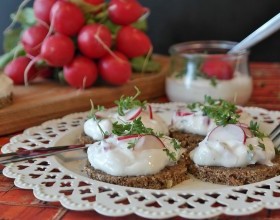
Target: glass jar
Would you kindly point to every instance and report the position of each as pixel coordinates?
(200, 68)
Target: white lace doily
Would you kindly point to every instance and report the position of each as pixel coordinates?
(60, 178)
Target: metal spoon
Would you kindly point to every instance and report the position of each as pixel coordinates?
(261, 33)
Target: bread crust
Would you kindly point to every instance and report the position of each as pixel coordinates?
(236, 176)
(188, 141)
(166, 178)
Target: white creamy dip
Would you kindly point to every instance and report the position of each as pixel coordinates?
(157, 123)
(237, 90)
(92, 129)
(233, 153)
(113, 156)
(6, 86)
(197, 123)
(97, 129)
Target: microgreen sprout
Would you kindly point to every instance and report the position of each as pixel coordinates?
(221, 111)
(129, 102)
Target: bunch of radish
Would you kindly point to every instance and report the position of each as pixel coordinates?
(83, 40)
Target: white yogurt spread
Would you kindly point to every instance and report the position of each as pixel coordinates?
(237, 90)
(98, 129)
(233, 153)
(92, 129)
(113, 156)
(157, 123)
(6, 86)
(197, 123)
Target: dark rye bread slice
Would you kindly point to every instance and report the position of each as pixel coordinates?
(235, 176)
(84, 139)
(166, 178)
(188, 140)
(4, 101)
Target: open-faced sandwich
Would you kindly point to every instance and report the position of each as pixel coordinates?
(190, 125)
(128, 109)
(130, 147)
(6, 93)
(235, 154)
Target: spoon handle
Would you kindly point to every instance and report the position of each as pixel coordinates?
(261, 33)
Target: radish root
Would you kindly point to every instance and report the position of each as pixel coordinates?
(97, 37)
(14, 20)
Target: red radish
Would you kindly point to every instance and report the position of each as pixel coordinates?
(182, 113)
(150, 112)
(66, 18)
(32, 39)
(243, 125)
(94, 2)
(147, 142)
(133, 113)
(57, 50)
(80, 73)
(42, 9)
(15, 70)
(226, 133)
(94, 40)
(133, 42)
(45, 72)
(125, 137)
(220, 69)
(247, 132)
(115, 69)
(124, 12)
(246, 129)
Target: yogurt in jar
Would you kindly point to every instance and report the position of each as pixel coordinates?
(237, 90)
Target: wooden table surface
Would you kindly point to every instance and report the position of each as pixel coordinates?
(21, 204)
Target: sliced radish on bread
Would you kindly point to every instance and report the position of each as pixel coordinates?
(226, 133)
(133, 113)
(146, 142)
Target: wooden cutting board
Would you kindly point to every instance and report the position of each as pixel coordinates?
(44, 100)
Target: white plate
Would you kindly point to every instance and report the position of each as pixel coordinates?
(61, 178)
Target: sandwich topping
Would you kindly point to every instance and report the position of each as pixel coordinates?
(201, 118)
(234, 145)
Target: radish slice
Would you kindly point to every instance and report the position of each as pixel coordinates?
(133, 113)
(149, 142)
(242, 125)
(247, 132)
(182, 113)
(150, 111)
(101, 115)
(226, 133)
(125, 137)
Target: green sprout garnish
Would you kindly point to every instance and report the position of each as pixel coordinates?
(137, 127)
(262, 146)
(130, 102)
(250, 146)
(171, 155)
(129, 128)
(221, 111)
(255, 129)
(92, 115)
(93, 110)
